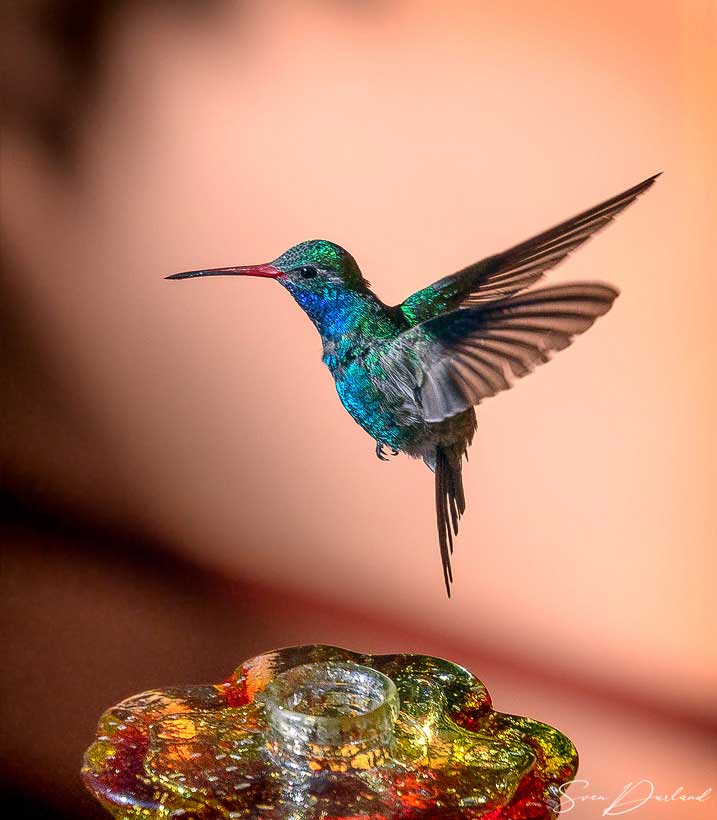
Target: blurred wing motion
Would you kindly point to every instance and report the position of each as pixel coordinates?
(521, 266)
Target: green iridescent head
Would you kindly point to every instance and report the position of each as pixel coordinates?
(314, 264)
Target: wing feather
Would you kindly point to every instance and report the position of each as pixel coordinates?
(519, 267)
(463, 357)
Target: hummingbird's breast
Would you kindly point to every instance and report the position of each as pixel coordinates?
(367, 389)
(390, 409)
(385, 414)
(355, 329)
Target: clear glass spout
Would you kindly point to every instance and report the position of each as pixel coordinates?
(336, 716)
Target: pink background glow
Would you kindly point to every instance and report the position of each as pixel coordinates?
(421, 136)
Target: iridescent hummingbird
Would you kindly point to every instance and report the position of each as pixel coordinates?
(411, 374)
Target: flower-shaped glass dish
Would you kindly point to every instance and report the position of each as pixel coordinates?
(321, 732)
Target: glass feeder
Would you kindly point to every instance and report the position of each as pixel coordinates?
(321, 732)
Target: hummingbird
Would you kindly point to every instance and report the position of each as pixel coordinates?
(412, 374)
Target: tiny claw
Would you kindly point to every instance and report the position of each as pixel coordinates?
(381, 453)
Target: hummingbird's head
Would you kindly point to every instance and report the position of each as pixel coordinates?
(317, 266)
(323, 278)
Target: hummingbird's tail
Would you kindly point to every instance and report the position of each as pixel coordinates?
(450, 505)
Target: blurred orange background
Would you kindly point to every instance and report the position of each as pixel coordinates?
(421, 136)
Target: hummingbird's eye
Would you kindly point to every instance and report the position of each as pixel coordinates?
(306, 272)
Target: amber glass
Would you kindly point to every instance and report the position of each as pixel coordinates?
(320, 732)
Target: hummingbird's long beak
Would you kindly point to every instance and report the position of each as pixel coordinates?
(268, 271)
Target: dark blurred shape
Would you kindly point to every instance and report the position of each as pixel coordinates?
(52, 63)
(51, 66)
(95, 617)
(28, 806)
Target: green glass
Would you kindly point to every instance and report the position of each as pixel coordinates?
(321, 732)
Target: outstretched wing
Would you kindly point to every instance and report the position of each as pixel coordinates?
(517, 268)
(460, 358)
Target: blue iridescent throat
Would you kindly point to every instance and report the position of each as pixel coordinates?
(336, 311)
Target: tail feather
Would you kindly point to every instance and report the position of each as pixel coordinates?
(450, 506)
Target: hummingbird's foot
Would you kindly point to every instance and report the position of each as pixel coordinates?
(381, 453)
